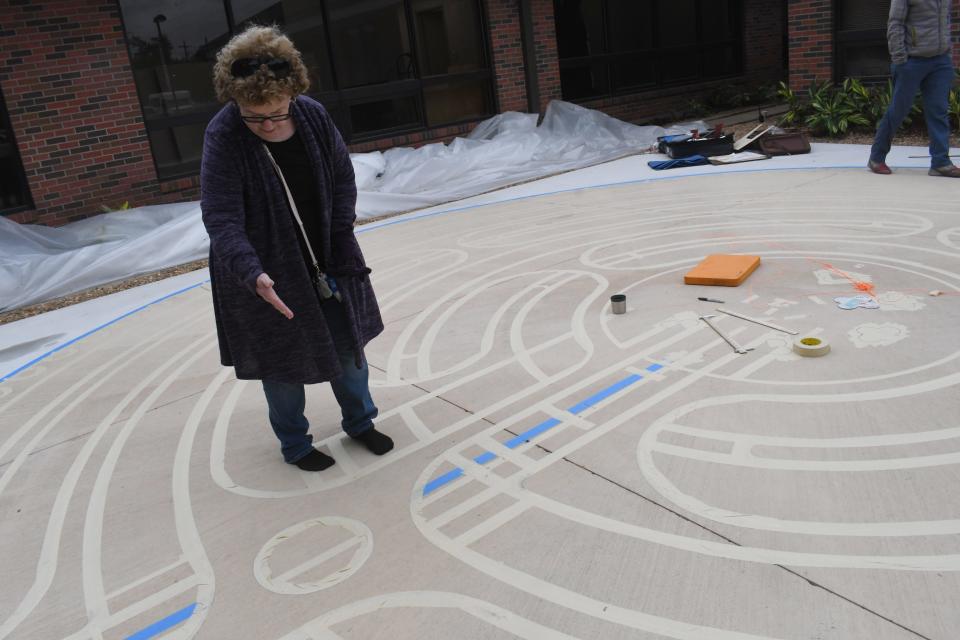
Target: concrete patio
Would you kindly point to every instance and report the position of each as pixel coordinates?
(560, 471)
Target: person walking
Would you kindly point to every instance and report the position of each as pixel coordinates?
(292, 297)
(918, 36)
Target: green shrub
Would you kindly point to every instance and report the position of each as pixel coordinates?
(108, 209)
(796, 109)
(833, 111)
(953, 107)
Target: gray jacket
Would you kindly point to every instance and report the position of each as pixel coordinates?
(918, 28)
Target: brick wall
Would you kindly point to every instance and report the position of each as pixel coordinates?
(506, 51)
(810, 34)
(65, 74)
(545, 46)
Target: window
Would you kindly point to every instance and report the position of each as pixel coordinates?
(861, 40)
(379, 67)
(14, 195)
(610, 47)
(173, 45)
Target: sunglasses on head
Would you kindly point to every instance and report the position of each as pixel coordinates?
(245, 67)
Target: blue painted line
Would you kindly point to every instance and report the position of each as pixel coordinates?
(606, 393)
(436, 483)
(162, 625)
(101, 327)
(546, 425)
(485, 457)
(612, 389)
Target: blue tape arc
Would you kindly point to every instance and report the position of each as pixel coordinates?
(485, 457)
(100, 328)
(436, 483)
(533, 432)
(162, 625)
(546, 425)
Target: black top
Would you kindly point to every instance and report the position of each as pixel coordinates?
(294, 162)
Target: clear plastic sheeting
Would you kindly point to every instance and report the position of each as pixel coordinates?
(41, 263)
(506, 149)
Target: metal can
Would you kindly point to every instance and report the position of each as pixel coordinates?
(618, 303)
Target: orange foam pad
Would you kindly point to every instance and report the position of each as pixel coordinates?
(722, 270)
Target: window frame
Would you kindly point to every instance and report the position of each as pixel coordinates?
(657, 51)
(845, 40)
(338, 101)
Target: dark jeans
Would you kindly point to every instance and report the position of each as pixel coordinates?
(933, 77)
(286, 402)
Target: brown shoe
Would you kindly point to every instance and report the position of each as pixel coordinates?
(879, 167)
(946, 171)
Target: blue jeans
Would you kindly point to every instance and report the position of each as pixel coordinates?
(933, 77)
(286, 402)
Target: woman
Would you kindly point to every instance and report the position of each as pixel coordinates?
(292, 299)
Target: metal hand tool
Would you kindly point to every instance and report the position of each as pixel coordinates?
(736, 347)
(757, 321)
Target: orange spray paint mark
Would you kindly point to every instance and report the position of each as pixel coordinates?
(859, 285)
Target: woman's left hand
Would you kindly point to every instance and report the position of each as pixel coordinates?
(265, 291)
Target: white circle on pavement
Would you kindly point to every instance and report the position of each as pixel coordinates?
(348, 554)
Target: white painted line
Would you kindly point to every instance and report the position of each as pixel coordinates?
(481, 611)
(188, 533)
(147, 578)
(361, 536)
(49, 552)
(463, 507)
(344, 460)
(491, 524)
(442, 492)
(92, 561)
(150, 602)
(413, 422)
(503, 452)
(329, 554)
(564, 416)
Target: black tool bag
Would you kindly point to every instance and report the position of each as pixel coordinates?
(704, 146)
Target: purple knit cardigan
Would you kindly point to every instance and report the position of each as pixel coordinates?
(252, 231)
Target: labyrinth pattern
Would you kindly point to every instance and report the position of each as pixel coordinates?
(560, 471)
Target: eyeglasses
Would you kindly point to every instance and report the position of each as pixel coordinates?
(246, 67)
(262, 119)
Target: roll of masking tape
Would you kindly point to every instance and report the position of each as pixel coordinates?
(811, 347)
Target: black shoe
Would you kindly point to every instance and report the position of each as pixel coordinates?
(314, 461)
(376, 442)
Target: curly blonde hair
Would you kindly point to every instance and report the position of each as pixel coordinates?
(262, 86)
